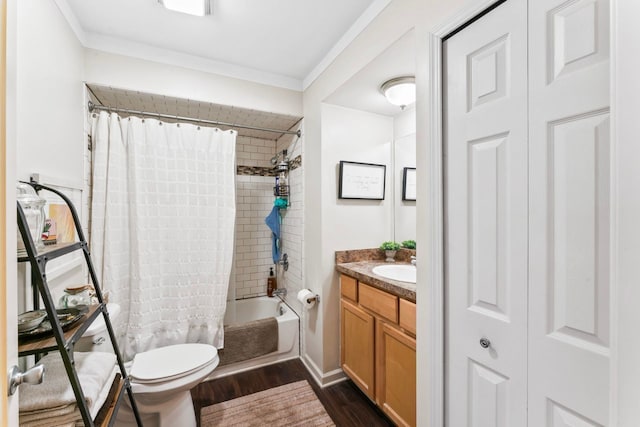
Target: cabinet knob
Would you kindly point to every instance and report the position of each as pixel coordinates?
(485, 343)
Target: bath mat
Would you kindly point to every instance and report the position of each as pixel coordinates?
(289, 405)
(249, 340)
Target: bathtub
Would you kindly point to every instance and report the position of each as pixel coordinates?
(251, 309)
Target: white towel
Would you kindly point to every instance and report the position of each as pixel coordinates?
(45, 417)
(104, 393)
(93, 370)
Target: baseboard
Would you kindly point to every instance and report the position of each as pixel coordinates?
(323, 379)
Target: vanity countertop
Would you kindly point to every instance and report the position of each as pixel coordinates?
(361, 270)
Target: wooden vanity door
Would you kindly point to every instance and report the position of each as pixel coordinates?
(357, 346)
(396, 374)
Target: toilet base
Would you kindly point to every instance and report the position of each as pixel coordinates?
(176, 412)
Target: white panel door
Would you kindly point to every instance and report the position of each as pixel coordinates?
(485, 91)
(569, 217)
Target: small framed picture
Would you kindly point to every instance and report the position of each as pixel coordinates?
(409, 184)
(361, 181)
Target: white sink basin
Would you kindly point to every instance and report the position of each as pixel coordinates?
(401, 273)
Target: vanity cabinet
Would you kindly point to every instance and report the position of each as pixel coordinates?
(378, 347)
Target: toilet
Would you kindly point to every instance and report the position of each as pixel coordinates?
(161, 379)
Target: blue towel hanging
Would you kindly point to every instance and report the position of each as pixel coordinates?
(273, 222)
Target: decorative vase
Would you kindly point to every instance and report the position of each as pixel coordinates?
(33, 209)
(391, 256)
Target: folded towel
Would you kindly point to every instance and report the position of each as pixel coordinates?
(56, 421)
(55, 410)
(105, 392)
(93, 370)
(273, 222)
(69, 414)
(32, 417)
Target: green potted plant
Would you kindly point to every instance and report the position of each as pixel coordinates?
(390, 249)
(409, 244)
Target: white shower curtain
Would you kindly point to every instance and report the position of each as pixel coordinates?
(162, 228)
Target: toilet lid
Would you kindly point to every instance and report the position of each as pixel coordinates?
(165, 363)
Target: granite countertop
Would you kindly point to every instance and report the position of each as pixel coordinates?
(361, 270)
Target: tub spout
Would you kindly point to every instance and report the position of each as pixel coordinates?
(280, 291)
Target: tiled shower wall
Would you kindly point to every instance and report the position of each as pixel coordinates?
(293, 221)
(254, 201)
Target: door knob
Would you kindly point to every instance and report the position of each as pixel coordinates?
(34, 375)
(485, 343)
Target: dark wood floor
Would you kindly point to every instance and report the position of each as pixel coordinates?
(344, 402)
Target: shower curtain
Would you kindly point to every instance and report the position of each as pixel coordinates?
(162, 228)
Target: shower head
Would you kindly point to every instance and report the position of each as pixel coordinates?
(275, 159)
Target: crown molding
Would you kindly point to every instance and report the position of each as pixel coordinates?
(354, 31)
(72, 20)
(170, 57)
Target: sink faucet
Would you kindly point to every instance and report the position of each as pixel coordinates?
(280, 291)
(413, 260)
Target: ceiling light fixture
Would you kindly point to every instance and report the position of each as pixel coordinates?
(191, 7)
(400, 91)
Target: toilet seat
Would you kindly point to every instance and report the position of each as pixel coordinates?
(171, 362)
(162, 379)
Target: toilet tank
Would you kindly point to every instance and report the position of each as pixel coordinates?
(96, 337)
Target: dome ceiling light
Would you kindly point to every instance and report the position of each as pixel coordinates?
(400, 91)
(191, 7)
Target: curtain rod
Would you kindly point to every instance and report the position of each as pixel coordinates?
(93, 106)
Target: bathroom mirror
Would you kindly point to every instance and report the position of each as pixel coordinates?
(404, 159)
(361, 92)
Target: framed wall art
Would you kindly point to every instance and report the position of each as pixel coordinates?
(409, 184)
(361, 181)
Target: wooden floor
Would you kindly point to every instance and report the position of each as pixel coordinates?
(344, 402)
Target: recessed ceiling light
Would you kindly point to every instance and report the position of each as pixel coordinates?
(400, 91)
(191, 7)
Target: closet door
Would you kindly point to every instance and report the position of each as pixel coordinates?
(485, 127)
(569, 217)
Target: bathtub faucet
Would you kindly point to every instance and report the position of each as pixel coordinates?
(280, 291)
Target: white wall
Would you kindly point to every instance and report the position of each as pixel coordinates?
(355, 136)
(350, 135)
(49, 94)
(124, 72)
(50, 121)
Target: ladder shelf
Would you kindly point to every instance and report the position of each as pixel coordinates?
(64, 341)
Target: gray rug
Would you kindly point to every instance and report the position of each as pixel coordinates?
(249, 340)
(289, 405)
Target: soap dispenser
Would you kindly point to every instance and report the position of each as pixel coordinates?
(272, 283)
